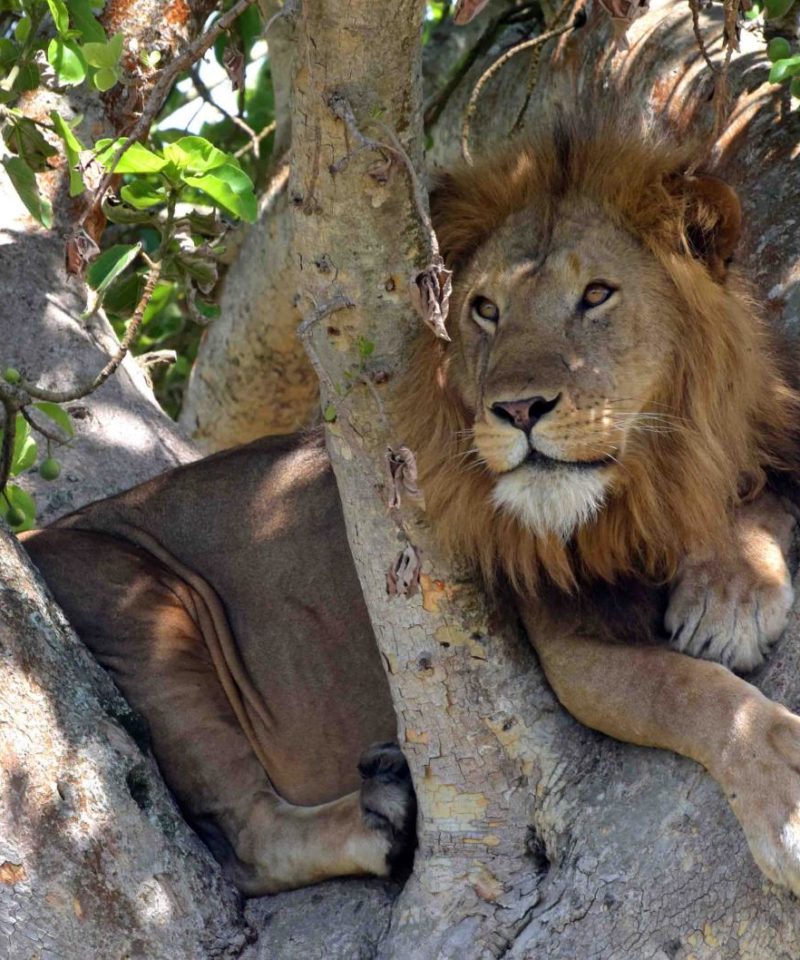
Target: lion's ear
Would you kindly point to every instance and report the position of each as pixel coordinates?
(712, 221)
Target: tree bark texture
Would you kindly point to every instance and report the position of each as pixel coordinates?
(538, 838)
(251, 376)
(95, 860)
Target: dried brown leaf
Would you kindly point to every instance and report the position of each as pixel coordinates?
(467, 10)
(401, 466)
(381, 170)
(233, 61)
(402, 578)
(430, 295)
(79, 250)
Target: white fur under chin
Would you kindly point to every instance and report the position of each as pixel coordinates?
(557, 500)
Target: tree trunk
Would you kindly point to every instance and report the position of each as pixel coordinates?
(251, 376)
(537, 837)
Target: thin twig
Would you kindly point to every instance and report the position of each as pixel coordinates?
(82, 390)
(694, 6)
(235, 119)
(433, 108)
(305, 329)
(535, 67)
(492, 70)
(342, 109)
(722, 88)
(45, 431)
(255, 140)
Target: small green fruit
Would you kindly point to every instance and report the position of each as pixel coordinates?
(794, 87)
(11, 375)
(778, 49)
(49, 469)
(14, 517)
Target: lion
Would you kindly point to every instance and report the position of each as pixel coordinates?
(598, 437)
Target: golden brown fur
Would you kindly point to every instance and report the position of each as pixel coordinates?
(223, 599)
(731, 414)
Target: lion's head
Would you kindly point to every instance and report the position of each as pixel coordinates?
(609, 392)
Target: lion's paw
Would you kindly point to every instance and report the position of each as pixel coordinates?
(731, 612)
(389, 804)
(765, 796)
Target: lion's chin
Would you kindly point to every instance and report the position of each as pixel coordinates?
(553, 501)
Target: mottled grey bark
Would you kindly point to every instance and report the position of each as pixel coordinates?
(95, 860)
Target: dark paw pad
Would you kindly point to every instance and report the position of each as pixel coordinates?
(389, 803)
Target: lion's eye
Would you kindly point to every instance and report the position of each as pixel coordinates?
(485, 310)
(595, 294)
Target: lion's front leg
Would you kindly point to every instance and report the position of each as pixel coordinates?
(732, 607)
(660, 698)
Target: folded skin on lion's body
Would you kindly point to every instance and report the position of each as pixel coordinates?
(223, 599)
(598, 435)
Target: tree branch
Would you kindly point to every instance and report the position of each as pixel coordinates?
(577, 22)
(82, 390)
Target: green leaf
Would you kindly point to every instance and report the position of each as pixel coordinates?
(777, 8)
(195, 155)
(142, 195)
(329, 413)
(136, 159)
(211, 311)
(58, 415)
(231, 188)
(58, 11)
(83, 19)
(19, 500)
(24, 181)
(65, 58)
(24, 453)
(28, 78)
(110, 264)
(23, 137)
(104, 55)
(104, 79)
(783, 69)
(22, 30)
(9, 51)
(72, 148)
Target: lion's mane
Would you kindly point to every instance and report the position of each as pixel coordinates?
(734, 416)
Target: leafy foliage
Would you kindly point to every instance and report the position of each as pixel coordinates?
(182, 190)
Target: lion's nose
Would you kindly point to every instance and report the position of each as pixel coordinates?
(524, 414)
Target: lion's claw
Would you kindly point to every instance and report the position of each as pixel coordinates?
(732, 608)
